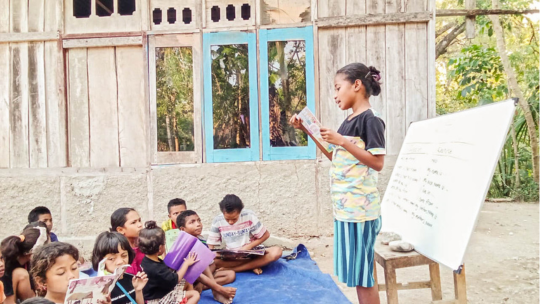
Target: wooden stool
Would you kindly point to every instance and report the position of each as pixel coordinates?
(390, 261)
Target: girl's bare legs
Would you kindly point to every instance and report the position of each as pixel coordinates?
(368, 295)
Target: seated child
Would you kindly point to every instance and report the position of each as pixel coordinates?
(127, 222)
(43, 214)
(53, 266)
(37, 300)
(240, 229)
(115, 248)
(175, 207)
(164, 285)
(190, 222)
(17, 252)
(2, 295)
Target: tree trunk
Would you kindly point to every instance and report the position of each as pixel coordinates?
(516, 90)
(443, 45)
(169, 137)
(517, 182)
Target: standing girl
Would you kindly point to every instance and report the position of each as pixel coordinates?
(53, 266)
(358, 154)
(127, 222)
(17, 251)
(115, 249)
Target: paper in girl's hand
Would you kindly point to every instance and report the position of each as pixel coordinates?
(313, 126)
(101, 268)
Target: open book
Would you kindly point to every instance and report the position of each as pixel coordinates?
(237, 254)
(170, 237)
(93, 290)
(184, 244)
(313, 126)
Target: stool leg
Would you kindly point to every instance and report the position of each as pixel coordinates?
(435, 277)
(391, 288)
(460, 287)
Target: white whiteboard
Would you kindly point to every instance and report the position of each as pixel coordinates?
(441, 179)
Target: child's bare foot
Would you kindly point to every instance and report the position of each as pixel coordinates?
(221, 298)
(257, 271)
(228, 292)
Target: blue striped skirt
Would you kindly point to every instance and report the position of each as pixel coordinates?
(354, 247)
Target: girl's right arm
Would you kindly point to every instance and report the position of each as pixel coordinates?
(190, 260)
(297, 124)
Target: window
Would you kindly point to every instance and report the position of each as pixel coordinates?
(175, 107)
(230, 105)
(82, 8)
(287, 86)
(104, 8)
(126, 7)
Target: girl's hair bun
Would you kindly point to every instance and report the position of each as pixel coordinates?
(150, 225)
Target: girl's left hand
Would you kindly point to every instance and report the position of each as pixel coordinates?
(332, 137)
(139, 281)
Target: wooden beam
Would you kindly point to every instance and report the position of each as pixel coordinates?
(478, 12)
(28, 37)
(408, 286)
(374, 19)
(102, 42)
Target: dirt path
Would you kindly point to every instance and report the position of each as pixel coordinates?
(502, 260)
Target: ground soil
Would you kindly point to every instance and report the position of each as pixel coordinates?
(501, 261)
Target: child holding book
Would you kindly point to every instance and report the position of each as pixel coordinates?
(175, 207)
(117, 252)
(211, 278)
(43, 214)
(240, 228)
(165, 286)
(53, 266)
(127, 222)
(17, 252)
(358, 153)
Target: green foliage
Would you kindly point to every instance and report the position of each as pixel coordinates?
(471, 74)
(174, 90)
(287, 91)
(230, 95)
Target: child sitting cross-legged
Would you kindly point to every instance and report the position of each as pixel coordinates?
(239, 228)
(211, 278)
(165, 286)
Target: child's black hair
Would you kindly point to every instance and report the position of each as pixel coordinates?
(45, 257)
(33, 216)
(37, 300)
(119, 218)
(16, 246)
(175, 202)
(369, 76)
(150, 238)
(108, 242)
(181, 219)
(231, 203)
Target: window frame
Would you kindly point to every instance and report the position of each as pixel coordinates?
(176, 40)
(284, 34)
(231, 155)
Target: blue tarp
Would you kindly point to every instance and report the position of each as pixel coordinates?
(289, 281)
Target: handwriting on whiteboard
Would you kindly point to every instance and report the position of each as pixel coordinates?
(421, 176)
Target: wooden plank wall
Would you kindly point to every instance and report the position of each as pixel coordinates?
(32, 105)
(399, 51)
(107, 102)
